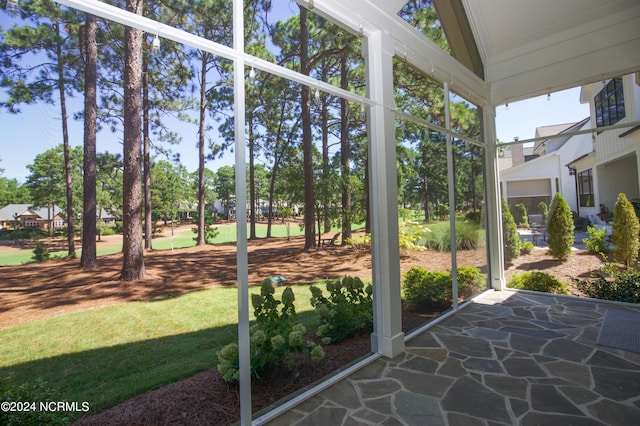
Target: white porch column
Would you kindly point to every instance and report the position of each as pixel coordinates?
(493, 201)
(387, 337)
(242, 255)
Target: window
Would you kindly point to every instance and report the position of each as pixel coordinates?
(585, 188)
(609, 103)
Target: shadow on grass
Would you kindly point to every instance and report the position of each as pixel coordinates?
(105, 376)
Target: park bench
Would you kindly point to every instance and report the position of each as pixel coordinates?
(330, 241)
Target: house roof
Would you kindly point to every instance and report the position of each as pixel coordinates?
(10, 211)
(553, 144)
(530, 48)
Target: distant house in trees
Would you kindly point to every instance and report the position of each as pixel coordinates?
(15, 216)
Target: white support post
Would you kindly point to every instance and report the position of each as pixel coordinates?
(242, 252)
(452, 199)
(387, 337)
(493, 203)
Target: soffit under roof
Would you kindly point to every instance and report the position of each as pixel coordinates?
(534, 47)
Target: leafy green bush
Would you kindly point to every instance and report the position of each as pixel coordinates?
(474, 216)
(27, 234)
(470, 280)
(560, 228)
(612, 283)
(625, 231)
(210, 231)
(521, 217)
(439, 238)
(410, 233)
(435, 287)
(596, 241)
(510, 237)
(276, 338)
(346, 311)
(108, 230)
(36, 392)
(41, 253)
(538, 281)
(526, 247)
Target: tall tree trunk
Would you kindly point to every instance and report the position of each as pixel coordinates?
(345, 150)
(324, 125)
(201, 239)
(367, 195)
(252, 181)
(65, 141)
(307, 143)
(89, 210)
(133, 254)
(148, 221)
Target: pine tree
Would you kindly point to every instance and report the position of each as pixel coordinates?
(510, 237)
(625, 231)
(560, 228)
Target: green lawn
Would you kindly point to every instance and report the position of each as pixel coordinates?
(183, 237)
(109, 354)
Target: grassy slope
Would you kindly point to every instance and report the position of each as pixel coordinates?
(108, 354)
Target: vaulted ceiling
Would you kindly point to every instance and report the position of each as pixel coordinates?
(529, 48)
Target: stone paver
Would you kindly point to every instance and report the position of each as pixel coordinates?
(508, 358)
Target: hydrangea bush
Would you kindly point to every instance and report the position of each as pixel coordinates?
(276, 338)
(347, 310)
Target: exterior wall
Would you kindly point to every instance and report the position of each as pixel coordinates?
(553, 167)
(614, 178)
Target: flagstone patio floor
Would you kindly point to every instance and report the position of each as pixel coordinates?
(508, 358)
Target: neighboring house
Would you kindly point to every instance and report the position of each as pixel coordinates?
(545, 172)
(26, 216)
(590, 169)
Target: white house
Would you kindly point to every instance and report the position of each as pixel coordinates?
(536, 180)
(588, 168)
(612, 166)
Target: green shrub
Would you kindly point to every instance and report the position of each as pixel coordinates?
(28, 234)
(543, 209)
(108, 230)
(526, 247)
(560, 228)
(276, 338)
(346, 311)
(538, 281)
(521, 217)
(474, 216)
(435, 287)
(470, 280)
(612, 283)
(41, 253)
(439, 238)
(625, 231)
(36, 392)
(410, 233)
(210, 231)
(596, 241)
(510, 237)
